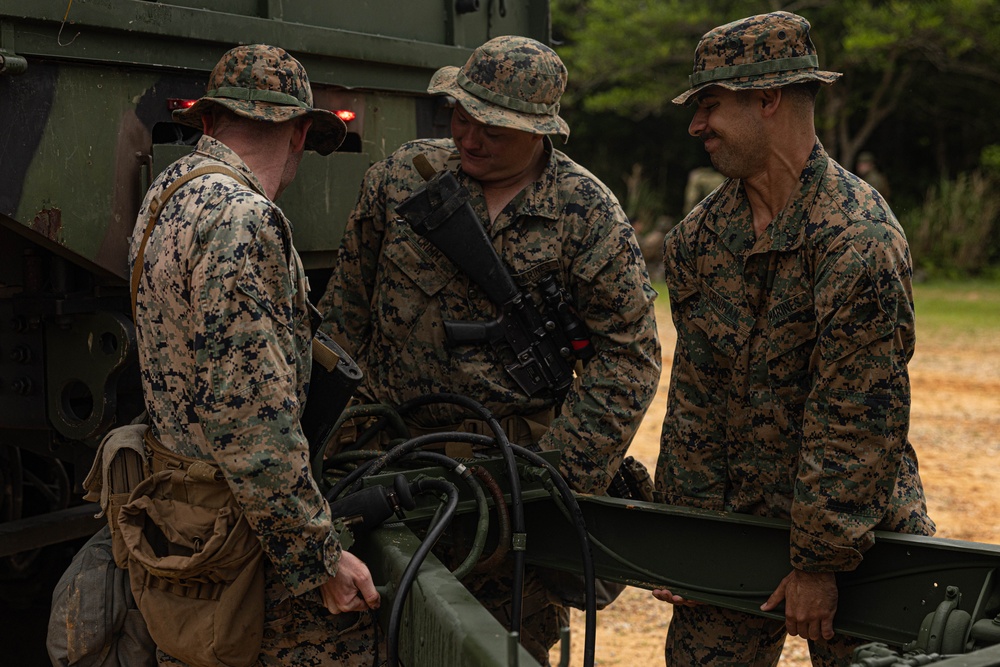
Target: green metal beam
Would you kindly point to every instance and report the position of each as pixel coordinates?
(443, 624)
(987, 657)
(735, 561)
(40, 531)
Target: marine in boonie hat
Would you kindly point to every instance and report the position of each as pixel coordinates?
(763, 51)
(511, 82)
(264, 83)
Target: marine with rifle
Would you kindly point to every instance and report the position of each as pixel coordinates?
(492, 266)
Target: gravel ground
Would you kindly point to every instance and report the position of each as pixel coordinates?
(955, 428)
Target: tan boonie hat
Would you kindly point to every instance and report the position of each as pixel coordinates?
(511, 82)
(264, 83)
(763, 51)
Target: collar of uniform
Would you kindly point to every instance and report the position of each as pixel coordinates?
(788, 231)
(541, 197)
(728, 217)
(218, 151)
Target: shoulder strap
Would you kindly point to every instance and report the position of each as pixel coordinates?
(156, 205)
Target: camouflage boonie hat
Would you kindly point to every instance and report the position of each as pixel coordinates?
(264, 83)
(511, 82)
(763, 51)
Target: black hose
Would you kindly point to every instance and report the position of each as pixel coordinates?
(349, 479)
(507, 450)
(517, 506)
(503, 522)
(410, 573)
(482, 525)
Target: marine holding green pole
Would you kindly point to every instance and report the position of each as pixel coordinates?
(790, 289)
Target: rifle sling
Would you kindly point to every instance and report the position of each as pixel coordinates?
(156, 205)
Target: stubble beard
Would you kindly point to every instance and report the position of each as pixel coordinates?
(741, 152)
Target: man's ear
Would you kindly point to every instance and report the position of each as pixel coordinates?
(769, 99)
(207, 123)
(299, 132)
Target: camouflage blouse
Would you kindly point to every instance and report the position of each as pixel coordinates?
(789, 392)
(224, 349)
(392, 290)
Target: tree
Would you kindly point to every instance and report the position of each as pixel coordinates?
(919, 86)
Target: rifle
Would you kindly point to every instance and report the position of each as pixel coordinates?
(335, 376)
(538, 347)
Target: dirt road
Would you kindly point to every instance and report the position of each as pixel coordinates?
(955, 428)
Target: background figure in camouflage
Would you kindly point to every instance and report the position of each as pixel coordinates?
(700, 183)
(789, 396)
(392, 289)
(224, 344)
(866, 168)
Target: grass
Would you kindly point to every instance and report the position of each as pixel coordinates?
(958, 308)
(948, 308)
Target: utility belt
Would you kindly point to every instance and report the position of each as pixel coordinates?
(522, 430)
(519, 430)
(161, 458)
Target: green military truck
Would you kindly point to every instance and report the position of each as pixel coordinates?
(87, 88)
(86, 93)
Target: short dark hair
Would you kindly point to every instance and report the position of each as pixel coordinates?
(802, 96)
(806, 89)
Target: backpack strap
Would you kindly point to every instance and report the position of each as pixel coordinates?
(156, 205)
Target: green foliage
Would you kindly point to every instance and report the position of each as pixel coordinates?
(957, 230)
(631, 57)
(920, 86)
(990, 159)
(958, 309)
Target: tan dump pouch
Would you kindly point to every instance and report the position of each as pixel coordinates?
(195, 565)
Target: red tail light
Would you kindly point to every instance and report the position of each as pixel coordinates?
(177, 103)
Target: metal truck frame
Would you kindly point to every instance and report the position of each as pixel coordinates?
(86, 91)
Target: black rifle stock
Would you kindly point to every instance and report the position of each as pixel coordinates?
(335, 376)
(539, 356)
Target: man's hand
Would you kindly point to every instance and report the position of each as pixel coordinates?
(810, 603)
(667, 596)
(351, 589)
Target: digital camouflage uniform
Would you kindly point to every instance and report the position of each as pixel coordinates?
(392, 290)
(789, 394)
(224, 344)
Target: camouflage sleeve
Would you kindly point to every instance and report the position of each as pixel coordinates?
(346, 312)
(857, 414)
(692, 466)
(607, 401)
(246, 383)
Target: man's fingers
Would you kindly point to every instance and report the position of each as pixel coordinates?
(827, 629)
(667, 596)
(663, 594)
(776, 597)
(367, 591)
